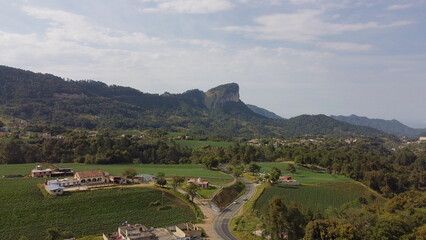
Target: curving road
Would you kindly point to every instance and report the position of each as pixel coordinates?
(221, 222)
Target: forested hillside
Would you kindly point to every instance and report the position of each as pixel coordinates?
(388, 126)
(44, 99)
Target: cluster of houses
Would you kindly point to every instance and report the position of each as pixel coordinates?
(85, 178)
(184, 231)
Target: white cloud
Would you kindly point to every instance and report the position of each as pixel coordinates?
(190, 6)
(399, 6)
(72, 27)
(346, 46)
(303, 26)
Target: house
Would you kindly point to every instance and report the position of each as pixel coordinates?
(140, 232)
(91, 177)
(54, 189)
(422, 139)
(62, 172)
(201, 184)
(285, 178)
(116, 179)
(38, 171)
(65, 182)
(145, 178)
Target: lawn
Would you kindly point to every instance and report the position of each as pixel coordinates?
(26, 212)
(184, 170)
(195, 143)
(304, 175)
(316, 197)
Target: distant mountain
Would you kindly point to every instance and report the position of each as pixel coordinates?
(263, 112)
(44, 99)
(387, 126)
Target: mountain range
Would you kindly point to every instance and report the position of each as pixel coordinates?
(45, 99)
(388, 126)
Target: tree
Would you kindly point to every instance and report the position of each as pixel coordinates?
(276, 223)
(130, 173)
(330, 229)
(192, 190)
(177, 181)
(291, 168)
(274, 175)
(161, 180)
(1, 124)
(253, 167)
(53, 234)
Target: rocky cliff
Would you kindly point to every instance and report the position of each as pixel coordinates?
(218, 96)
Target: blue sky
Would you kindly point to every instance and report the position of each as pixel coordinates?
(292, 57)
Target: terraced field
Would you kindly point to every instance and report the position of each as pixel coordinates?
(25, 211)
(316, 197)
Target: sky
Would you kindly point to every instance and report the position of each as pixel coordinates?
(292, 57)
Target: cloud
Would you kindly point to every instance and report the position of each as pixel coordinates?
(399, 6)
(303, 26)
(190, 6)
(72, 27)
(345, 46)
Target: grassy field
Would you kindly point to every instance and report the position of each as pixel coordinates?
(195, 144)
(304, 175)
(26, 212)
(184, 170)
(316, 197)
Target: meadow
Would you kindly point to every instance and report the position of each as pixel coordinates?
(303, 175)
(184, 170)
(317, 197)
(27, 212)
(196, 144)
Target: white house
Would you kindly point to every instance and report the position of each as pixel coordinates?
(54, 189)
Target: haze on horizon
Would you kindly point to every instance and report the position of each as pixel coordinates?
(291, 57)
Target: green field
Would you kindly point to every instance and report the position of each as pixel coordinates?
(26, 212)
(316, 197)
(184, 170)
(195, 143)
(304, 175)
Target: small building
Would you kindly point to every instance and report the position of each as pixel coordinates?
(91, 177)
(145, 178)
(201, 184)
(117, 179)
(62, 172)
(54, 189)
(422, 139)
(286, 178)
(65, 182)
(140, 232)
(38, 171)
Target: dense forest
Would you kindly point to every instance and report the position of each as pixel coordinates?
(49, 100)
(402, 217)
(365, 160)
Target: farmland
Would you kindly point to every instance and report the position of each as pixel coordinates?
(316, 197)
(26, 212)
(304, 175)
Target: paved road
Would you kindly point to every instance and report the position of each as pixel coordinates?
(221, 222)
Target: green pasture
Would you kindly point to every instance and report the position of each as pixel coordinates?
(27, 212)
(303, 175)
(316, 197)
(196, 144)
